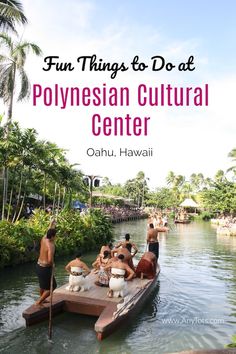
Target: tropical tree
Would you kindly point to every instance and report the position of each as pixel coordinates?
(186, 190)
(113, 189)
(221, 197)
(175, 181)
(220, 176)
(11, 13)
(162, 198)
(137, 188)
(232, 154)
(170, 178)
(9, 152)
(197, 181)
(12, 64)
(36, 167)
(106, 182)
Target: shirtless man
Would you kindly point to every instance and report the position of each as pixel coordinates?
(152, 240)
(120, 272)
(128, 244)
(45, 263)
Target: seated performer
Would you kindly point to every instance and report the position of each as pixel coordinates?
(117, 282)
(103, 275)
(146, 267)
(96, 264)
(126, 253)
(78, 270)
(152, 240)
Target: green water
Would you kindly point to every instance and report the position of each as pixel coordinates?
(192, 307)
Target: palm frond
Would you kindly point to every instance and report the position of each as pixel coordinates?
(13, 11)
(6, 24)
(232, 168)
(27, 46)
(6, 82)
(6, 40)
(13, 3)
(232, 153)
(25, 86)
(21, 50)
(3, 58)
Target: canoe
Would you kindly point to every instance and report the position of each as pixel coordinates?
(111, 312)
(182, 221)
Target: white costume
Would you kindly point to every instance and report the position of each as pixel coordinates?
(77, 282)
(117, 282)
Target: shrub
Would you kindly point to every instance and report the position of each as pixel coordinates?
(19, 242)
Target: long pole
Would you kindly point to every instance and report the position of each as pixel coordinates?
(50, 306)
(91, 190)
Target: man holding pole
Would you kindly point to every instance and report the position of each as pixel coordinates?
(45, 264)
(152, 240)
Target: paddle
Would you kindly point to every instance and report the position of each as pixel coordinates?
(50, 306)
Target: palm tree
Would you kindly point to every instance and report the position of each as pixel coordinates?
(11, 13)
(8, 158)
(11, 68)
(197, 181)
(207, 183)
(220, 176)
(170, 178)
(232, 154)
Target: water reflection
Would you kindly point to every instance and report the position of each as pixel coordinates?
(226, 241)
(192, 307)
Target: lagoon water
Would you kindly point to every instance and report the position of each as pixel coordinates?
(192, 307)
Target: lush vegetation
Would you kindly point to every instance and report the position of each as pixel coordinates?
(19, 242)
(37, 171)
(29, 166)
(33, 167)
(214, 195)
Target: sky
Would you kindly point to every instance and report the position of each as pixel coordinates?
(185, 140)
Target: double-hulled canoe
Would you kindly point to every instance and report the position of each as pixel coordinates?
(111, 312)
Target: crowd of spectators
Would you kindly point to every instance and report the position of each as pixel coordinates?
(225, 221)
(118, 214)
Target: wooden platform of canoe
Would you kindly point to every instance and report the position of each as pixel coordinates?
(95, 302)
